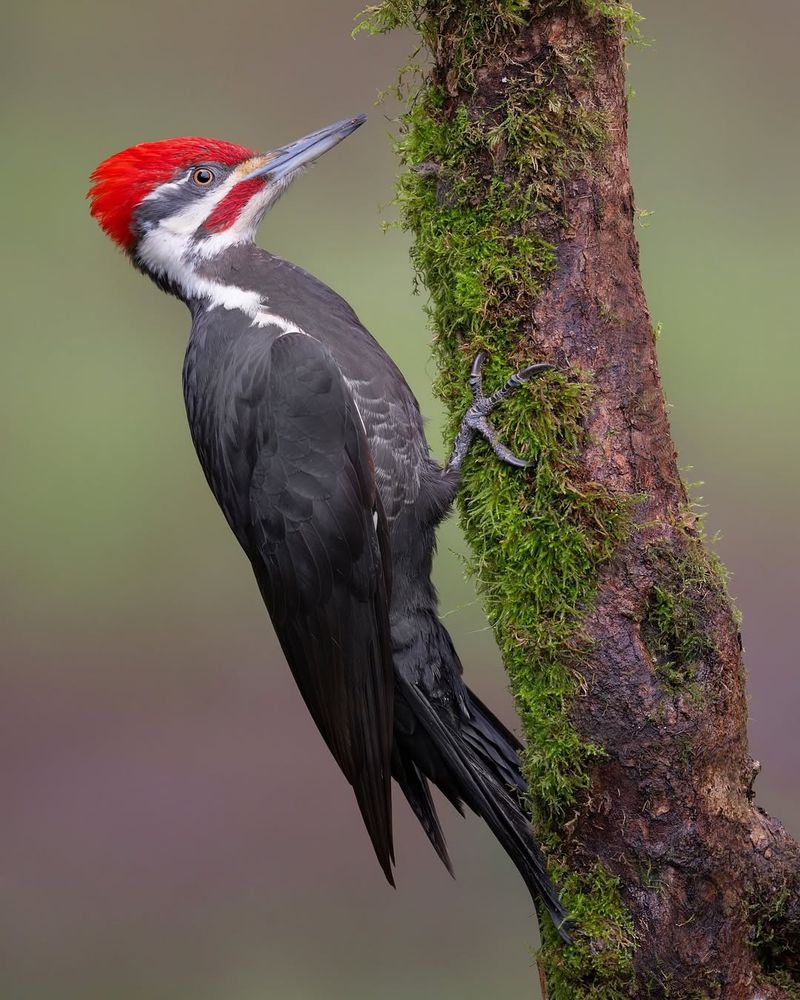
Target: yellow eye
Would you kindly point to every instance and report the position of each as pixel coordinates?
(202, 176)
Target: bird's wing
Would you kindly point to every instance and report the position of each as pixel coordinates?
(317, 538)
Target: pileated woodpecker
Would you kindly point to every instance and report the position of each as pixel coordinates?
(313, 445)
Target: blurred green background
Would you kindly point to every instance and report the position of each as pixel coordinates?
(172, 825)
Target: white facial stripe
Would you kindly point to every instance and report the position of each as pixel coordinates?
(244, 228)
(166, 254)
(169, 251)
(187, 221)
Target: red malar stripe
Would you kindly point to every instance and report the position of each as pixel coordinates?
(227, 212)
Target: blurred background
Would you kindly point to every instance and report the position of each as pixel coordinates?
(172, 825)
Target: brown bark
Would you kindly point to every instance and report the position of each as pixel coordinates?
(672, 798)
(712, 883)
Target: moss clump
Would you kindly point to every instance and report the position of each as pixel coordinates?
(599, 967)
(482, 195)
(478, 245)
(764, 936)
(669, 633)
(617, 12)
(672, 627)
(482, 23)
(481, 26)
(535, 558)
(772, 951)
(784, 981)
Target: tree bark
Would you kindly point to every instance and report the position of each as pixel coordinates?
(683, 887)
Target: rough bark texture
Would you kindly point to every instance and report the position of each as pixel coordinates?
(684, 887)
(669, 811)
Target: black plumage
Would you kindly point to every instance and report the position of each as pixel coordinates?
(313, 445)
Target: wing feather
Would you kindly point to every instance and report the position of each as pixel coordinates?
(315, 532)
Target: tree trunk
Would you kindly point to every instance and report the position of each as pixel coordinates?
(612, 615)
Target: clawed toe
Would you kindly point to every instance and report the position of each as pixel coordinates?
(476, 418)
(476, 375)
(531, 372)
(484, 405)
(508, 456)
(518, 379)
(482, 426)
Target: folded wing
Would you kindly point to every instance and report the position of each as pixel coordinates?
(316, 535)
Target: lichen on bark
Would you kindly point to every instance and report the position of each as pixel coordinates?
(611, 616)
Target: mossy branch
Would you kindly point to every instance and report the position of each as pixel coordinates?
(611, 614)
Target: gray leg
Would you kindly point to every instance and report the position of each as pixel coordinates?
(476, 419)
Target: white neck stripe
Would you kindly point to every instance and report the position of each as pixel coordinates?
(169, 251)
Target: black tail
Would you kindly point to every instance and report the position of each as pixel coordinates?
(473, 761)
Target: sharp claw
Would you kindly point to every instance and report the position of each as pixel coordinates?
(532, 371)
(514, 460)
(477, 364)
(475, 417)
(488, 432)
(476, 375)
(524, 376)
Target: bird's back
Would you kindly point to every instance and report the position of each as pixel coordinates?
(293, 299)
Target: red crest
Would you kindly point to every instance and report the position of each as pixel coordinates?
(123, 180)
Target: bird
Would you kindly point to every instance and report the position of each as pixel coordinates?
(313, 445)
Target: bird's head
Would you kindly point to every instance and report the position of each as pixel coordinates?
(170, 202)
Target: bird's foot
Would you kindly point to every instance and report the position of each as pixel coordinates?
(476, 419)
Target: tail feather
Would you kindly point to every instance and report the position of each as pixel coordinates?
(499, 747)
(480, 761)
(417, 792)
(501, 735)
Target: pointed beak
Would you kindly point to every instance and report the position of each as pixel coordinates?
(285, 160)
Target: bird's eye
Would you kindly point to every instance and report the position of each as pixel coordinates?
(202, 176)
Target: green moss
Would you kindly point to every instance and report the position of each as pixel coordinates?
(482, 195)
(482, 25)
(535, 559)
(672, 627)
(482, 22)
(617, 11)
(599, 967)
(764, 923)
(672, 641)
(772, 951)
(785, 982)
